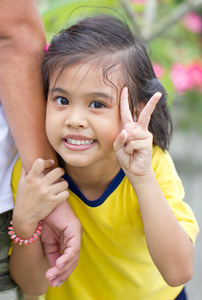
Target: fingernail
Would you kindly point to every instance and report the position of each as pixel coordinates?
(52, 277)
(61, 266)
(56, 284)
(59, 284)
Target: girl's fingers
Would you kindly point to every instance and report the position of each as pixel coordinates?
(39, 166)
(59, 187)
(120, 140)
(126, 116)
(138, 134)
(60, 197)
(54, 176)
(136, 145)
(145, 114)
(147, 111)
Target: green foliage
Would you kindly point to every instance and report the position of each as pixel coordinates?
(58, 14)
(174, 43)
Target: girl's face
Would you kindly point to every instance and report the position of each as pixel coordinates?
(83, 118)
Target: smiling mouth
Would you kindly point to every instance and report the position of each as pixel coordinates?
(79, 142)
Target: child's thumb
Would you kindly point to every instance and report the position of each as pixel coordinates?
(120, 140)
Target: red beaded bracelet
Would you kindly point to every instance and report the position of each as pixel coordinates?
(21, 241)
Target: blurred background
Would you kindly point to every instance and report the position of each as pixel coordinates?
(173, 32)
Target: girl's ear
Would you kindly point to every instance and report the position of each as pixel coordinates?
(137, 111)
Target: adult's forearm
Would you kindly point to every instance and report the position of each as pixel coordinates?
(22, 41)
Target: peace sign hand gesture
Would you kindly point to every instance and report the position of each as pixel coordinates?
(133, 145)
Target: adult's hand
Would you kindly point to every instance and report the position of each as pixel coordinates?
(61, 239)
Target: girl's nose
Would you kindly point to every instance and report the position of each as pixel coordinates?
(76, 118)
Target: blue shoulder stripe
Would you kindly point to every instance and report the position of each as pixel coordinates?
(109, 190)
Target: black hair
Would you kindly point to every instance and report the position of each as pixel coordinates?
(110, 40)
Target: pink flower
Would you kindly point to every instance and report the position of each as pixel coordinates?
(195, 73)
(193, 22)
(138, 1)
(186, 77)
(158, 70)
(46, 47)
(180, 78)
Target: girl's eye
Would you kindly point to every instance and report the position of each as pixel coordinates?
(97, 105)
(62, 101)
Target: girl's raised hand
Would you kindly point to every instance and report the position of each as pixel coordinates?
(133, 145)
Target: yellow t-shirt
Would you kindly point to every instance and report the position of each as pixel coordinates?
(114, 260)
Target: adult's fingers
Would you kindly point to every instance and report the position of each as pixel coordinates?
(60, 276)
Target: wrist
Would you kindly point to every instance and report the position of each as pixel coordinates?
(138, 181)
(24, 227)
(21, 240)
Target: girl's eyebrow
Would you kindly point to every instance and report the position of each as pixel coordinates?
(58, 90)
(99, 95)
(106, 96)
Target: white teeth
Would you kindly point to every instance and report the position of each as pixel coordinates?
(79, 142)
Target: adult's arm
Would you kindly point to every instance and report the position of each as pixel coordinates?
(22, 41)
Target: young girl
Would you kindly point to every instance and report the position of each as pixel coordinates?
(108, 121)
